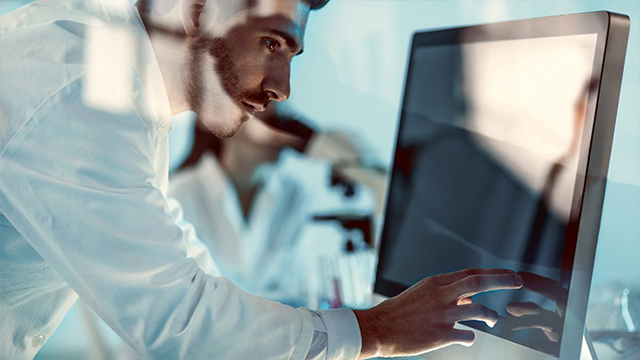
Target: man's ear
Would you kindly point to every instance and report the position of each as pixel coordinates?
(190, 11)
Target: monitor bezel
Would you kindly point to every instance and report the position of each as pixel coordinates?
(582, 232)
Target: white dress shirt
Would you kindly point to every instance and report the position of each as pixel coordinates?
(84, 118)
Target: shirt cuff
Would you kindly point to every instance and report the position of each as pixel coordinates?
(343, 333)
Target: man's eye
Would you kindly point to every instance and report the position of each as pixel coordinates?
(271, 44)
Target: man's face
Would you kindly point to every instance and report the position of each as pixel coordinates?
(237, 73)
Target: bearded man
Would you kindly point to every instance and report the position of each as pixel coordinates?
(87, 90)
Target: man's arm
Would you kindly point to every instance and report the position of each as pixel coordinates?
(80, 186)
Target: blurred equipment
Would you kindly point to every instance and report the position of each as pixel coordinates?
(287, 123)
(346, 279)
(614, 321)
(358, 229)
(349, 167)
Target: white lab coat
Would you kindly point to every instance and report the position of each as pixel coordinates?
(274, 251)
(83, 174)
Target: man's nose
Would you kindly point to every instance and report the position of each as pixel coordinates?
(276, 83)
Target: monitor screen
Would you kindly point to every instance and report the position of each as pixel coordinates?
(490, 166)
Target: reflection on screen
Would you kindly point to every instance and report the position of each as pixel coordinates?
(485, 169)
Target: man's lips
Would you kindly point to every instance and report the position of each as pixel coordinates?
(257, 106)
(249, 109)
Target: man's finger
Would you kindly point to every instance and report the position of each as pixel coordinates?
(518, 309)
(551, 335)
(542, 285)
(546, 287)
(446, 279)
(462, 337)
(477, 312)
(475, 284)
(465, 301)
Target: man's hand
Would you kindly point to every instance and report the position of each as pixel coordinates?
(421, 318)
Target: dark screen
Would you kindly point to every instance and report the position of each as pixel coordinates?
(484, 173)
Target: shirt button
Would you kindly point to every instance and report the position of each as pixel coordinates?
(38, 340)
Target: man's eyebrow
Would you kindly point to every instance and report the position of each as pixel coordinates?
(288, 38)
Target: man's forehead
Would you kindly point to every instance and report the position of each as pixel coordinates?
(288, 16)
(296, 10)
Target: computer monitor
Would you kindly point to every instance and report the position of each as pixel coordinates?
(501, 161)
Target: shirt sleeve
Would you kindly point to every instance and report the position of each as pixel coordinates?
(80, 186)
(336, 335)
(336, 332)
(196, 249)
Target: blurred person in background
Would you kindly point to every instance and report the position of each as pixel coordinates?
(252, 196)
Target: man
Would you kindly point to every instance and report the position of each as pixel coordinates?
(86, 97)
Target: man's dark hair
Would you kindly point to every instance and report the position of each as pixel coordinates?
(144, 5)
(316, 4)
(313, 4)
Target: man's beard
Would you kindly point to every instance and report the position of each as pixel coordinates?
(226, 70)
